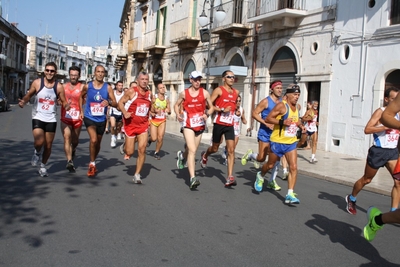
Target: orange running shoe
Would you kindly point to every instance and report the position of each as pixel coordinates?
(92, 170)
(126, 157)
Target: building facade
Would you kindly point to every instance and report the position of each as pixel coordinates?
(341, 53)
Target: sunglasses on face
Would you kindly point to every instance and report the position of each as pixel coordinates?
(230, 77)
(51, 71)
(295, 87)
(238, 101)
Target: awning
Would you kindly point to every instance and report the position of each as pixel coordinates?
(237, 70)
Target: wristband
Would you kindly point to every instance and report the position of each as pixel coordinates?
(109, 102)
(281, 122)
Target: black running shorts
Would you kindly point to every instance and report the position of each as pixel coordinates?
(378, 157)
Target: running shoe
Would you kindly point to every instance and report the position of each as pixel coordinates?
(137, 179)
(148, 143)
(223, 153)
(274, 186)
(156, 156)
(113, 142)
(225, 162)
(371, 227)
(122, 148)
(230, 181)
(203, 161)
(126, 157)
(70, 166)
(258, 184)
(245, 157)
(256, 164)
(179, 162)
(292, 199)
(119, 136)
(73, 154)
(194, 183)
(92, 170)
(285, 175)
(35, 158)
(350, 206)
(313, 160)
(43, 172)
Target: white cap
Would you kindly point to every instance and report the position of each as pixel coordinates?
(195, 74)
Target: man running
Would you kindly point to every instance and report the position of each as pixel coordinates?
(193, 100)
(45, 91)
(382, 153)
(260, 113)
(71, 123)
(285, 117)
(160, 108)
(224, 100)
(116, 116)
(135, 106)
(99, 96)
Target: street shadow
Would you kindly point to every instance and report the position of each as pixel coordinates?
(339, 201)
(349, 236)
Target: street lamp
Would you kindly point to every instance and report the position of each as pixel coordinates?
(204, 21)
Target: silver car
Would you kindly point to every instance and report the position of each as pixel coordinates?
(4, 105)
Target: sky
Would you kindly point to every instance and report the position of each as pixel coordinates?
(84, 22)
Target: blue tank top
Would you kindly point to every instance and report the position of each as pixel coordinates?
(93, 110)
(264, 114)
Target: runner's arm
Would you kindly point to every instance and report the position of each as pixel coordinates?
(373, 125)
(31, 92)
(81, 99)
(178, 104)
(257, 111)
(279, 109)
(61, 95)
(209, 103)
(388, 115)
(125, 98)
(243, 118)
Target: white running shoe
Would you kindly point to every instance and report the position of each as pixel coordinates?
(313, 160)
(43, 172)
(119, 136)
(113, 142)
(285, 175)
(136, 179)
(256, 164)
(35, 158)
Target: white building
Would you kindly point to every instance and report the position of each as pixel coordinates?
(341, 53)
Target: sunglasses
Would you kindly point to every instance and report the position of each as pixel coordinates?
(238, 101)
(51, 71)
(230, 77)
(295, 87)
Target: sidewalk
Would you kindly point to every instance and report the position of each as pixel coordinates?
(337, 168)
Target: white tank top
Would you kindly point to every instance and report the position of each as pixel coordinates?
(45, 105)
(387, 138)
(117, 98)
(236, 121)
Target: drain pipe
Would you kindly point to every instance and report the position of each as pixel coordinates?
(253, 79)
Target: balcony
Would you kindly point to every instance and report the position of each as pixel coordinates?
(184, 34)
(122, 55)
(232, 31)
(154, 42)
(280, 14)
(135, 47)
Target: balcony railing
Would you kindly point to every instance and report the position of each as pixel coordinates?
(154, 38)
(267, 6)
(135, 45)
(183, 29)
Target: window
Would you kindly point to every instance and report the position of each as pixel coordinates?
(238, 10)
(395, 12)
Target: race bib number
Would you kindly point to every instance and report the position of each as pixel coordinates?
(291, 130)
(142, 111)
(236, 126)
(45, 106)
(392, 136)
(96, 109)
(196, 120)
(226, 117)
(161, 115)
(72, 114)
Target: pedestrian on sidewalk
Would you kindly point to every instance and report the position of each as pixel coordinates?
(224, 100)
(383, 153)
(285, 117)
(193, 101)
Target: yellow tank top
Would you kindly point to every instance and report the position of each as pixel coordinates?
(160, 104)
(288, 133)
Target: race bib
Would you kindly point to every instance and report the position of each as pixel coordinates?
(392, 135)
(236, 126)
(72, 114)
(96, 109)
(45, 106)
(291, 130)
(226, 117)
(161, 116)
(142, 111)
(196, 120)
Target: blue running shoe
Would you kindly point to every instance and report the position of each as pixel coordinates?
(258, 184)
(292, 199)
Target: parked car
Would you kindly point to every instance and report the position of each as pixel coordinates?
(4, 105)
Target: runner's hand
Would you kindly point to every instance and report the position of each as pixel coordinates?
(127, 115)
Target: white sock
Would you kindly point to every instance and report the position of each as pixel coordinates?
(253, 156)
(42, 165)
(312, 156)
(93, 163)
(290, 191)
(285, 170)
(274, 172)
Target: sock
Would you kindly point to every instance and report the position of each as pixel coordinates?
(393, 209)
(274, 172)
(37, 153)
(285, 170)
(253, 156)
(378, 220)
(290, 191)
(42, 165)
(93, 163)
(312, 156)
(354, 199)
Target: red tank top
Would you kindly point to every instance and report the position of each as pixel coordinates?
(224, 101)
(72, 95)
(139, 106)
(194, 108)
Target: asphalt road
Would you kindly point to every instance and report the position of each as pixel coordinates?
(71, 220)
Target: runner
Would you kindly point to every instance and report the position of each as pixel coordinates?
(310, 119)
(224, 99)
(99, 96)
(382, 153)
(285, 117)
(71, 123)
(135, 106)
(260, 113)
(45, 91)
(161, 107)
(116, 116)
(193, 100)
